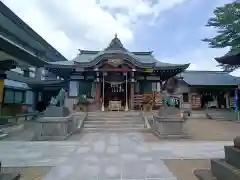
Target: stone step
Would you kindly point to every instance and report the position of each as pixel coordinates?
(2, 136)
(115, 129)
(222, 170)
(232, 156)
(115, 114)
(113, 125)
(222, 114)
(111, 119)
(113, 122)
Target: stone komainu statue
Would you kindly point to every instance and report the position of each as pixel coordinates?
(167, 101)
(59, 99)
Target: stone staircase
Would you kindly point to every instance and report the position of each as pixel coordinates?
(223, 169)
(113, 121)
(221, 114)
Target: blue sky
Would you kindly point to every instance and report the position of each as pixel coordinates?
(173, 29)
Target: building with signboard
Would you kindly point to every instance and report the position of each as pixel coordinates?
(23, 54)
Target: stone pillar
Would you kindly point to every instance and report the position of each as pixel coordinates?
(98, 91)
(132, 91)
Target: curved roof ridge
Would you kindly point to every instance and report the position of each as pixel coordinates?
(82, 51)
(142, 52)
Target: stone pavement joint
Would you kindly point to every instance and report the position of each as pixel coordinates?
(105, 156)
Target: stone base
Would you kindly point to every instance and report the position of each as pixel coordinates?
(9, 176)
(224, 171)
(204, 174)
(55, 111)
(163, 136)
(169, 126)
(232, 156)
(57, 128)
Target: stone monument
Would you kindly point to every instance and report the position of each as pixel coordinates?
(169, 121)
(57, 123)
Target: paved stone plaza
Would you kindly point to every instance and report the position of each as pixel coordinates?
(107, 156)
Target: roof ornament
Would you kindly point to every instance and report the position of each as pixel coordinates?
(115, 35)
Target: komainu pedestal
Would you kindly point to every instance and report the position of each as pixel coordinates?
(223, 169)
(170, 123)
(55, 111)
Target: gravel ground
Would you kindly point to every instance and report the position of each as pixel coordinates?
(29, 173)
(212, 130)
(183, 169)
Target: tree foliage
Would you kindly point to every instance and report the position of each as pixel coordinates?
(227, 22)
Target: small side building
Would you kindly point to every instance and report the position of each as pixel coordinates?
(201, 89)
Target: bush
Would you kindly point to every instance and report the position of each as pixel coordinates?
(4, 120)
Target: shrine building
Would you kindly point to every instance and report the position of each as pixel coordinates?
(114, 75)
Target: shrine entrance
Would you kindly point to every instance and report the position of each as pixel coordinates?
(115, 90)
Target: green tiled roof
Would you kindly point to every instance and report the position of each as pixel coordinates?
(143, 57)
(115, 48)
(209, 78)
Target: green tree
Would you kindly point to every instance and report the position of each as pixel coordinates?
(227, 22)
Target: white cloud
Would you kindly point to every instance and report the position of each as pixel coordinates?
(201, 58)
(73, 24)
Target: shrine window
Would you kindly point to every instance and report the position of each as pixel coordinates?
(185, 97)
(137, 87)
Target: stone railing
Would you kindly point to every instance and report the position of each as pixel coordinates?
(58, 128)
(145, 120)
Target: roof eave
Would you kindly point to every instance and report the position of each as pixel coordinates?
(20, 53)
(172, 67)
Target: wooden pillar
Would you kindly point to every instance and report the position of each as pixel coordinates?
(132, 96)
(97, 96)
(126, 91)
(103, 95)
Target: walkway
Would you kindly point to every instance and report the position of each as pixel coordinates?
(107, 156)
